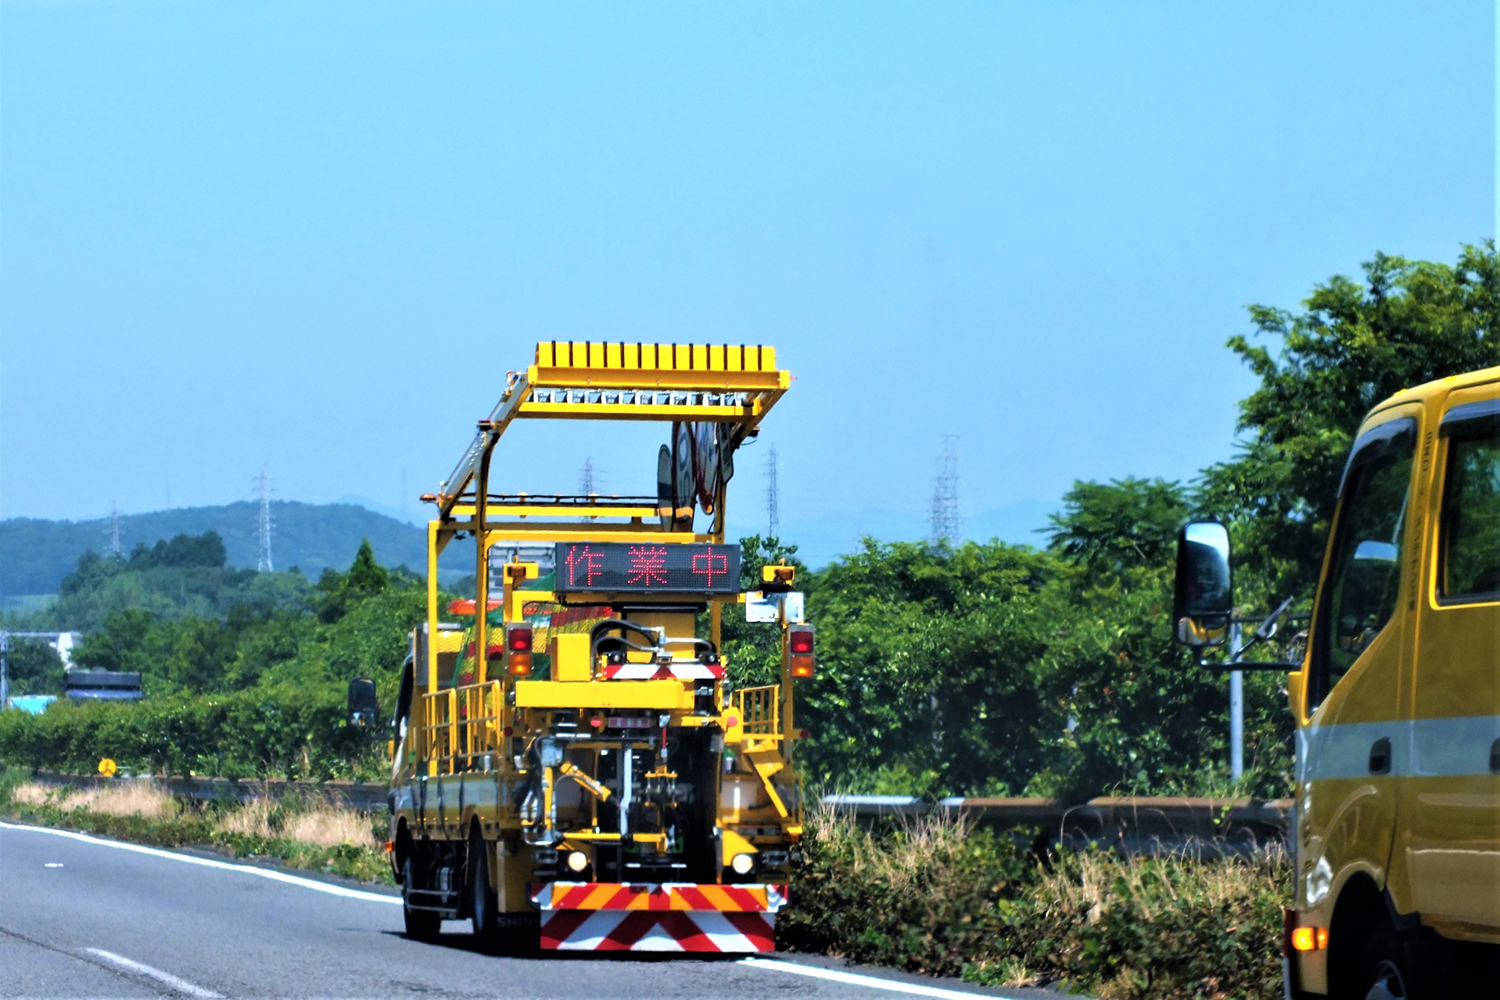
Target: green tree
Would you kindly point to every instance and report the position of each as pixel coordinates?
(1117, 532)
(925, 668)
(1352, 345)
(33, 667)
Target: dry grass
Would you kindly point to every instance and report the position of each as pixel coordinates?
(330, 827)
(901, 860)
(1157, 885)
(322, 824)
(31, 794)
(135, 798)
(253, 818)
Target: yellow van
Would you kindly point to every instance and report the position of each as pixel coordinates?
(1396, 827)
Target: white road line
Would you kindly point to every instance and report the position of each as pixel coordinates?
(274, 876)
(180, 985)
(870, 982)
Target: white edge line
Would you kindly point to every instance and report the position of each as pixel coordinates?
(180, 985)
(274, 876)
(871, 982)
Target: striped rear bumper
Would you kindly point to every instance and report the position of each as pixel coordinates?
(604, 916)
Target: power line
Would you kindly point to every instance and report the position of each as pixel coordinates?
(947, 522)
(773, 495)
(586, 477)
(263, 563)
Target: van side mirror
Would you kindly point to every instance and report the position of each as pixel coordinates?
(1203, 597)
(364, 707)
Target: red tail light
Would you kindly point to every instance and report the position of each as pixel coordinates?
(518, 650)
(799, 647)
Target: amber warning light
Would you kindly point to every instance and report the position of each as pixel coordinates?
(518, 650)
(799, 647)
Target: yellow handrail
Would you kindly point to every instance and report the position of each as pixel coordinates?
(760, 709)
(460, 725)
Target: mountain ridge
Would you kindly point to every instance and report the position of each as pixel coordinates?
(35, 553)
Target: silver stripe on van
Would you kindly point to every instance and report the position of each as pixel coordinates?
(1429, 748)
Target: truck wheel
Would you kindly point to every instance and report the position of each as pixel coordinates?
(421, 925)
(1384, 967)
(482, 901)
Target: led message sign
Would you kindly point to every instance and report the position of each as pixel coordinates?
(630, 568)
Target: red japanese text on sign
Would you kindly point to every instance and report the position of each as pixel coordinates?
(584, 565)
(648, 565)
(708, 563)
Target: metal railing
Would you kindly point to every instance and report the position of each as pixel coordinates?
(460, 725)
(760, 709)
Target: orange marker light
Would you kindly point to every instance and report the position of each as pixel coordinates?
(1309, 938)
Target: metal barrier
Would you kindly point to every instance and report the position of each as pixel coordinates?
(368, 796)
(1135, 825)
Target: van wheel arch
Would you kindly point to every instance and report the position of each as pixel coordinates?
(1360, 908)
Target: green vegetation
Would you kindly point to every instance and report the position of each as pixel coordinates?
(941, 897)
(34, 668)
(258, 692)
(1352, 346)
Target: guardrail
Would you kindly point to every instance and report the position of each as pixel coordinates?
(1134, 825)
(365, 795)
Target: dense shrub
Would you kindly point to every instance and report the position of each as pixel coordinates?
(941, 897)
(261, 732)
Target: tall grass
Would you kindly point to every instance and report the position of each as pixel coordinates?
(306, 833)
(939, 895)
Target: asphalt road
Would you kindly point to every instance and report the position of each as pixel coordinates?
(86, 918)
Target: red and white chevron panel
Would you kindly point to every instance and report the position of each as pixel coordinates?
(601, 916)
(657, 930)
(687, 670)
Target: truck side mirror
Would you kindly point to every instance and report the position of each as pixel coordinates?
(1203, 598)
(364, 708)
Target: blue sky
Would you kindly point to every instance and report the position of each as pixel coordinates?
(315, 236)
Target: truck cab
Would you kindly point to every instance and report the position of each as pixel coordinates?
(1396, 823)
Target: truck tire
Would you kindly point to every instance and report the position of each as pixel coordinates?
(421, 925)
(1384, 971)
(483, 903)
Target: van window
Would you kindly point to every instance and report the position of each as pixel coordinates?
(1469, 567)
(1364, 577)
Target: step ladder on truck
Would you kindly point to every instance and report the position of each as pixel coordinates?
(587, 782)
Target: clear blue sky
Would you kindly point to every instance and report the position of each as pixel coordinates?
(315, 236)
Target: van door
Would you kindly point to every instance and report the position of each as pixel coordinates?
(1450, 800)
(1347, 808)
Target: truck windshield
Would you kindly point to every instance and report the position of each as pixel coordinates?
(1365, 572)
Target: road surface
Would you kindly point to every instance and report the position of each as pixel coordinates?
(82, 917)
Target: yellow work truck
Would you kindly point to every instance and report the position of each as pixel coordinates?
(1396, 824)
(570, 770)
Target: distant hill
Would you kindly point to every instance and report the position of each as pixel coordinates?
(35, 554)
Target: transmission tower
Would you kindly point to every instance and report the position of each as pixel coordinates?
(113, 531)
(263, 562)
(773, 497)
(586, 477)
(947, 523)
